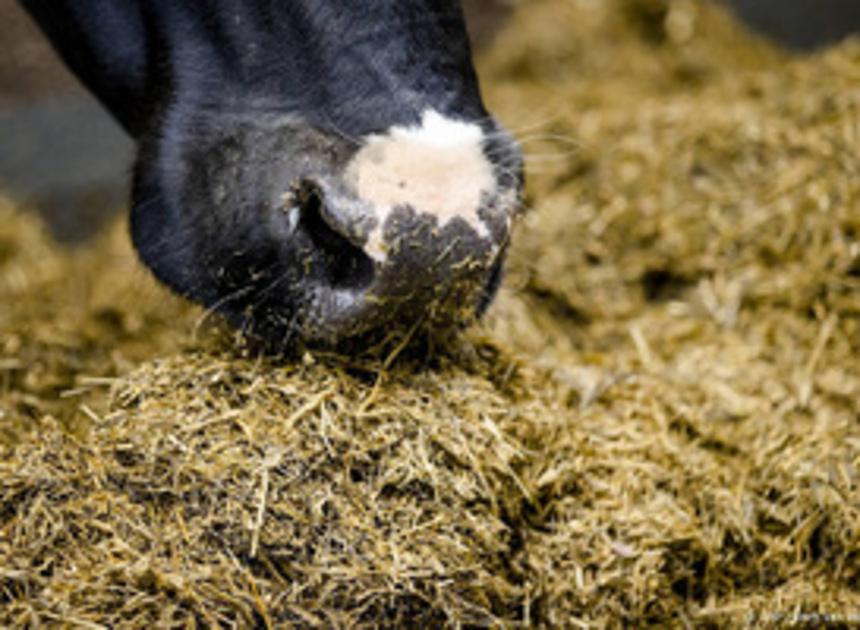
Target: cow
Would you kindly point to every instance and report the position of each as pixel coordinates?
(314, 170)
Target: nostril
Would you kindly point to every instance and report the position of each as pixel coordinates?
(344, 265)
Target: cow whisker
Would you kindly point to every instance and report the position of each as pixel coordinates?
(517, 130)
(213, 309)
(333, 127)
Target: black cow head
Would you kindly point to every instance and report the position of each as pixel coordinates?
(317, 169)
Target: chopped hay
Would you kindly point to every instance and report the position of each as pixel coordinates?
(238, 493)
(71, 318)
(658, 424)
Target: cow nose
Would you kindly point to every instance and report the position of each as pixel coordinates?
(371, 268)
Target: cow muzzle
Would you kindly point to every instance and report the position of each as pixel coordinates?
(378, 269)
(294, 233)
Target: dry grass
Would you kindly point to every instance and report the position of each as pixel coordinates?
(658, 424)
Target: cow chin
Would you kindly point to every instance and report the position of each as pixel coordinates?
(297, 234)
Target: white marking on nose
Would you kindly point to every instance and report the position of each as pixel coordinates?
(438, 168)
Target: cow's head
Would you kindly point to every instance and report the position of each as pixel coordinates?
(311, 168)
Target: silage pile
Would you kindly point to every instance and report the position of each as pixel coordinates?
(659, 423)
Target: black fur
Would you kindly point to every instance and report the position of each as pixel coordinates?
(242, 109)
